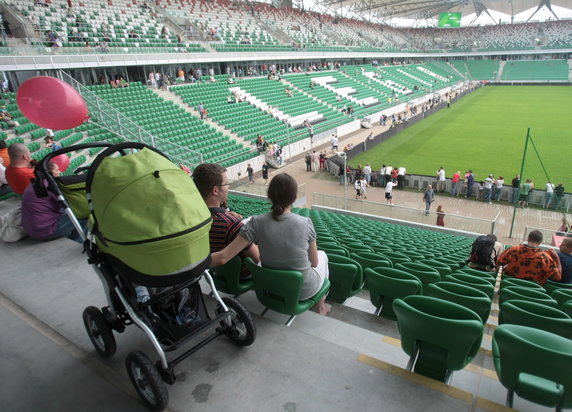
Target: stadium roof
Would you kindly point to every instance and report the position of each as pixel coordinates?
(423, 13)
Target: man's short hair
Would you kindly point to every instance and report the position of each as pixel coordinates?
(566, 243)
(493, 236)
(206, 176)
(16, 150)
(3, 144)
(535, 236)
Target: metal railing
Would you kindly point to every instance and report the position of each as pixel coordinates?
(405, 214)
(242, 187)
(109, 118)
(547, 234)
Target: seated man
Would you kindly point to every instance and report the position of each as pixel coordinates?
(528, 261)
(20, 172)
(43, 217)
(565, 255)
(212, 182)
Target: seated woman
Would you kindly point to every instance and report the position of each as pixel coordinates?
(286, 241)
(43, 217)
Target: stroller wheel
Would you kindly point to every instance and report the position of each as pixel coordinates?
(147, 381)
(99, 332)
(242, 330)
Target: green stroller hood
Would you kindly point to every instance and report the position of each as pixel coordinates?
(148, 213)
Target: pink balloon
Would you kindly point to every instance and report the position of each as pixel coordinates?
(63, 162)
(51, 103)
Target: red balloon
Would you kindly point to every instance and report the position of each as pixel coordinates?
(51, 103)
(63, 162)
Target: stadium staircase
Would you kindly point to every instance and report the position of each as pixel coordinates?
(192, 109)
(478, 69)
(453, 69)
(363, 99)
(501, 70)
(274, 31)
(324, 94)
(272, 162)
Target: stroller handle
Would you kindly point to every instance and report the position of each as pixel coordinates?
(114, 148)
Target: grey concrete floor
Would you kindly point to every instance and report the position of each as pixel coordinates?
(345, 362)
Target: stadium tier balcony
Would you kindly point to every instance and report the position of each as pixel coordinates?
(98, 26)
(165, 26)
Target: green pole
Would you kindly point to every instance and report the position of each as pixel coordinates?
(515, 203)
(540, 159)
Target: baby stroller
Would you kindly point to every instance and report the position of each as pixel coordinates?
(148, 242)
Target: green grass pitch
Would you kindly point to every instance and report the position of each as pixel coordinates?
(486, 131)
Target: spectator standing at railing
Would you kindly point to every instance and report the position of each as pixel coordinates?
(559, 194)
(388, 170)
(440, 179)
(488, 186)
(525, 192)
(498, 188)
(548, 195)
(395, 174)
(401, 176)
(455, 183)
(367, 173)
(470, 182)
(382, 176)
(515, 185)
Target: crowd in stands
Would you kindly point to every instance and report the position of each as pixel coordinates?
(121, 23)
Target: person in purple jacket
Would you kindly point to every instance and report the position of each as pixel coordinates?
(43, 217)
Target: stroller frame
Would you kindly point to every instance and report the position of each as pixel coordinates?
(120, 312)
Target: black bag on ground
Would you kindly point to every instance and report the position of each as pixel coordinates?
(482, 251)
